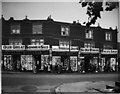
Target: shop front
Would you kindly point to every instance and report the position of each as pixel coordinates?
(40, 57)
(89, 60)
(109, 62)
(66, 57)
(11, 57)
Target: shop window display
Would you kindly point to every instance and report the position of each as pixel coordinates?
(73, 63)
(55, 61)
(107, 64)
(113, 64)
(45, 62)
(26, 62)
(102, 64)
(8, 62)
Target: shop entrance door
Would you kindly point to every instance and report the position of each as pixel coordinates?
(8, 62)
(91, 64)
(65, 60)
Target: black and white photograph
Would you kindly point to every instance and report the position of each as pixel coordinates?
(60, 46)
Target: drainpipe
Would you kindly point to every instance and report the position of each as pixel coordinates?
(69, 69)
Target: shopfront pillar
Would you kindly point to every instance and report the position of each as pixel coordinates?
(50, 55)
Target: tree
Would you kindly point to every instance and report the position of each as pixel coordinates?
(95, 7)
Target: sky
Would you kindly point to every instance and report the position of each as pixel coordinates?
(59, 11)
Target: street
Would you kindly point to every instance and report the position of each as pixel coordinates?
(49, 80)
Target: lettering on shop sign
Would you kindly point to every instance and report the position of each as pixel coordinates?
(89, 50)
(108, 51)
(13, 47)
(37, 47)
(67, 49)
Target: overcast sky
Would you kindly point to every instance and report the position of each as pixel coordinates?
(60, 11)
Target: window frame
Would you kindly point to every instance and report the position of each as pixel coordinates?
(108, 36)
(40, 27)
(15, 41)
(87, 34)
(89, 44)
(37, 41)
(65, 29)
(15, 27)
(107, 46)
(65, 43)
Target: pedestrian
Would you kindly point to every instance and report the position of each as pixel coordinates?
(34, 66)
(56, 67)
(59, 68)
(45, 67)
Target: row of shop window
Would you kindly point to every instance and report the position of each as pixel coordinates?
(27, 63)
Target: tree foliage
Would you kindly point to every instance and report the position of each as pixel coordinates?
(95, 7)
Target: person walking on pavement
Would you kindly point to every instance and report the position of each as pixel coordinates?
(34, 67)
(59, 68)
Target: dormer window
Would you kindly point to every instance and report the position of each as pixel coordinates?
(65, 30)
(15, 28)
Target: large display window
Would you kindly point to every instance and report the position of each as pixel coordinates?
(56, 60)
(113, 64)
(27, 62)
(102, 64)
(73, 63)
(44, 62)
(8, 62)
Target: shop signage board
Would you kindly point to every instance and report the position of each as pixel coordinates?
(64, 49)
(89, 50)
(13, 47)
(109, 51)
(37, 47)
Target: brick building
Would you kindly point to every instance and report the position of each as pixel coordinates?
(39, 43)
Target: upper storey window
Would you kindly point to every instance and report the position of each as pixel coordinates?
(89, 45)
(106, 46)
(89, 34)
(64, 43)
(65, 30)
(37, 28)
(15, 28)
(108, 36)
(15, 41)
(37, 41)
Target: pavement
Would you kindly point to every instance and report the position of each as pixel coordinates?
(77, 87)
(86, 87)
